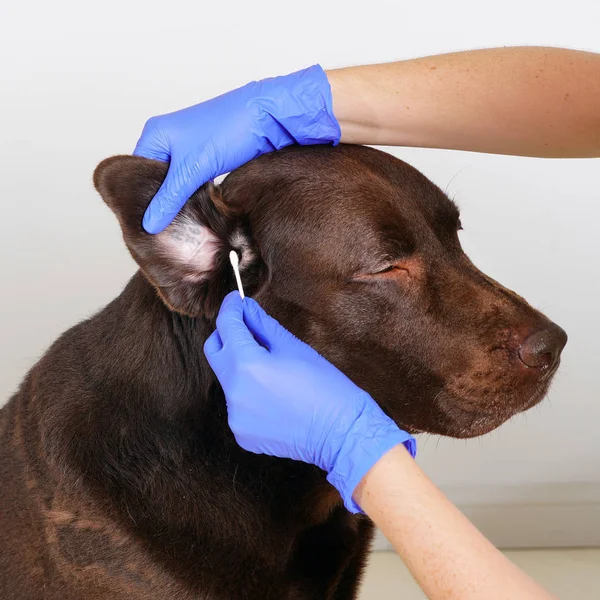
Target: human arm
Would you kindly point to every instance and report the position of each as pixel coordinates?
(285, 400)
(446, 554)
(527, 101)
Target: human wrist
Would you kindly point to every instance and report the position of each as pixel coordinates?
(341, 103)
(350, 101)
(394, 472)
(371, 435)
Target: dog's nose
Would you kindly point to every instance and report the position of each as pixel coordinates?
(541, 350)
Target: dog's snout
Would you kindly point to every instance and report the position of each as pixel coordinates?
(541, 349)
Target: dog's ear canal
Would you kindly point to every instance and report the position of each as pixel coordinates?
(188, 261)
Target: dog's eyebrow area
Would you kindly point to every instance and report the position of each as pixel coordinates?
(446, 214)
(389, 250)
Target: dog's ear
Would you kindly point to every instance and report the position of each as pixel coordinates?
(188, 261)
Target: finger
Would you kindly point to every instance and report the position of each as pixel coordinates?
(213, 344)
(232, 329)
(182, 180)
(268, 331)
(214, 356)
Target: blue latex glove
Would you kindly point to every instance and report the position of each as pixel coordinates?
(217, 136)
(284, 399)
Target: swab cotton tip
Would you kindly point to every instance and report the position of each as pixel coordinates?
(235, 263)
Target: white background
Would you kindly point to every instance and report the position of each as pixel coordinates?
(79, 79)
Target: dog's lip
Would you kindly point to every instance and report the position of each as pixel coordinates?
(486, 419)
(484, 423)
(471, 410)
(450, 403)
(541, 392)
(482, 420)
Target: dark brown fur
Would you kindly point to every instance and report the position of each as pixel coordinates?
(119, 475)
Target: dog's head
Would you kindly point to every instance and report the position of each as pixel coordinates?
(357, 253)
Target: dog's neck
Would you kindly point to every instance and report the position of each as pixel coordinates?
(158, 353)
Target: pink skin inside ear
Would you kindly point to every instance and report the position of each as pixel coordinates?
(189, 244)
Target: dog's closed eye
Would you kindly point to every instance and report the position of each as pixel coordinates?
(389, 271)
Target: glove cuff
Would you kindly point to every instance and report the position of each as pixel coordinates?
(372, 435)
(298, 108)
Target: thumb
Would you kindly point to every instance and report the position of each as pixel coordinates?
(265, 329)
(236, 337)
(213, 344)
(212, 350)
(182, 180)
(231, 342)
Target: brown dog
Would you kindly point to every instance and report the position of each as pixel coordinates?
(119, 475)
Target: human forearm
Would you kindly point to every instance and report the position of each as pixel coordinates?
(526, 101)
(447, 555)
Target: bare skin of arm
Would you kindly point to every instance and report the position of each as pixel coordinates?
(449, 558)
(526, 101)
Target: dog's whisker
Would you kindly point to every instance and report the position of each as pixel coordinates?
(454, 177)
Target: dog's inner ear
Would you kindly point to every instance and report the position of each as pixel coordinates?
(187, 262)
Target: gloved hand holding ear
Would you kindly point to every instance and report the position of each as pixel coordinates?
(284, 399)
(219, 135)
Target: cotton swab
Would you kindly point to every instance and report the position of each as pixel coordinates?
(235, 263)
